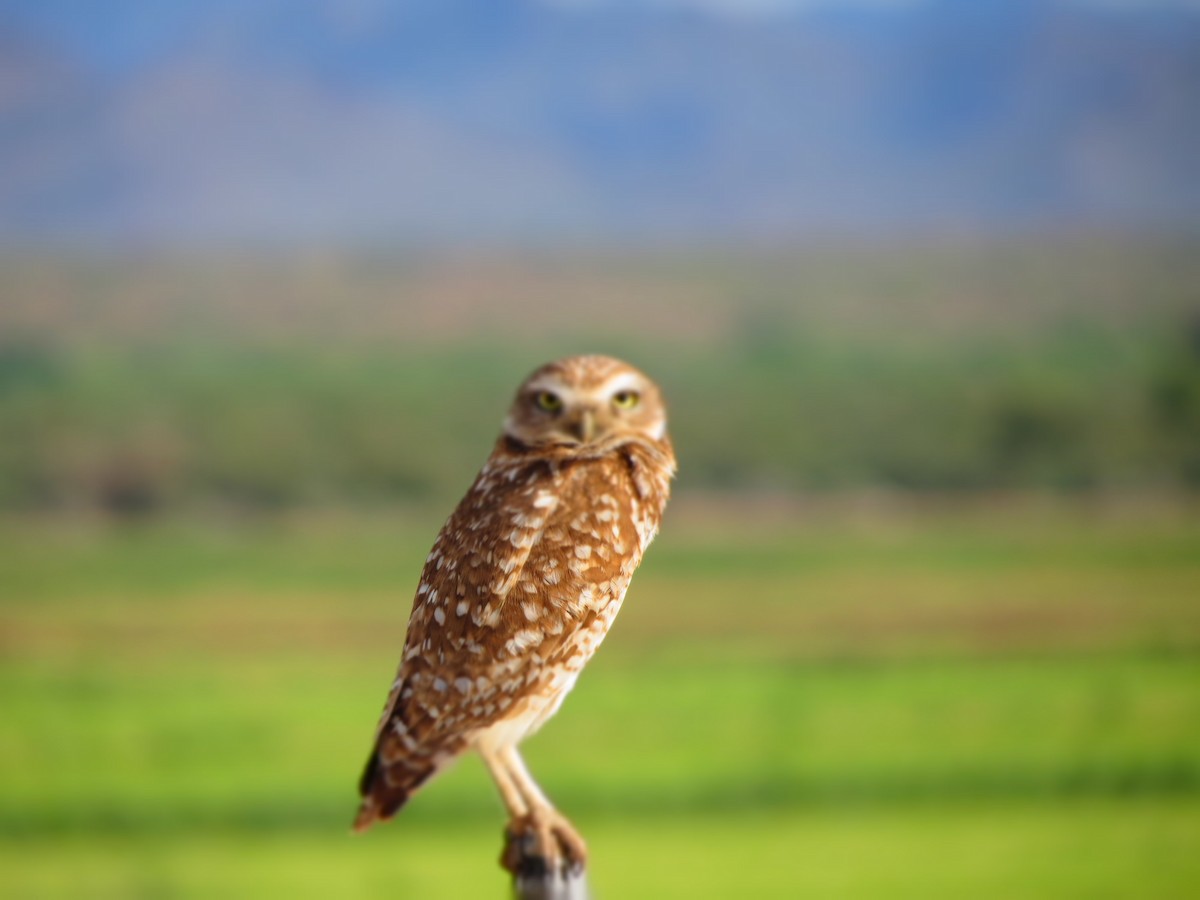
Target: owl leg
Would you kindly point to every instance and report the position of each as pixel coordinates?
(514, 802)
(543, 832)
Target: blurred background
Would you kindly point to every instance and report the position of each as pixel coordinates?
(921, 281)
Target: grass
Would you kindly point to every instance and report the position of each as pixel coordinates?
(1082, 850)
(993, 701)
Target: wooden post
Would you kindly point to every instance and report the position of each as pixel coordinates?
(551, 886)
(533, 880)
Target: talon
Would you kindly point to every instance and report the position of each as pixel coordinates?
(544, 842)
(519, 855)
(569, 841)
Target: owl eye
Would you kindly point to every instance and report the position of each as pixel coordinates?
(548, 401)
(626, 399)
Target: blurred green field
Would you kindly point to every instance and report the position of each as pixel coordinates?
(838, 699)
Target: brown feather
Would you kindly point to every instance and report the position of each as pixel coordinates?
(524, 579)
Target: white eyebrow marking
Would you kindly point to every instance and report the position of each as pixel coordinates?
(568, 395)
(622, 381)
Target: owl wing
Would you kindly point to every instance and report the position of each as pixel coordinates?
(519, 588)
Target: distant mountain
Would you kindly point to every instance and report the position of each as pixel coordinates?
(435, 120)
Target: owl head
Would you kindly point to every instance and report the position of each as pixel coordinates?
(586, 403)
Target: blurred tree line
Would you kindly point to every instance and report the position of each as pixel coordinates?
(782, 392)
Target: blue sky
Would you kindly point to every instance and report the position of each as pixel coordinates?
(480, 117)
(769, 7)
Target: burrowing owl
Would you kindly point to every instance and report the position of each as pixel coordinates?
(521, 586)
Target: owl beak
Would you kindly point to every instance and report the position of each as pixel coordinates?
(584, 427)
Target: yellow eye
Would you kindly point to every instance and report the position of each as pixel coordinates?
(549, 401)
(626, 399)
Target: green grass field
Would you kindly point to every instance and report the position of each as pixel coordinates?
(835, 701)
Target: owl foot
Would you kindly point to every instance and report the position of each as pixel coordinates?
(543, 843)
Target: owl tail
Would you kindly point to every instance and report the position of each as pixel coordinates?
(386, 788)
